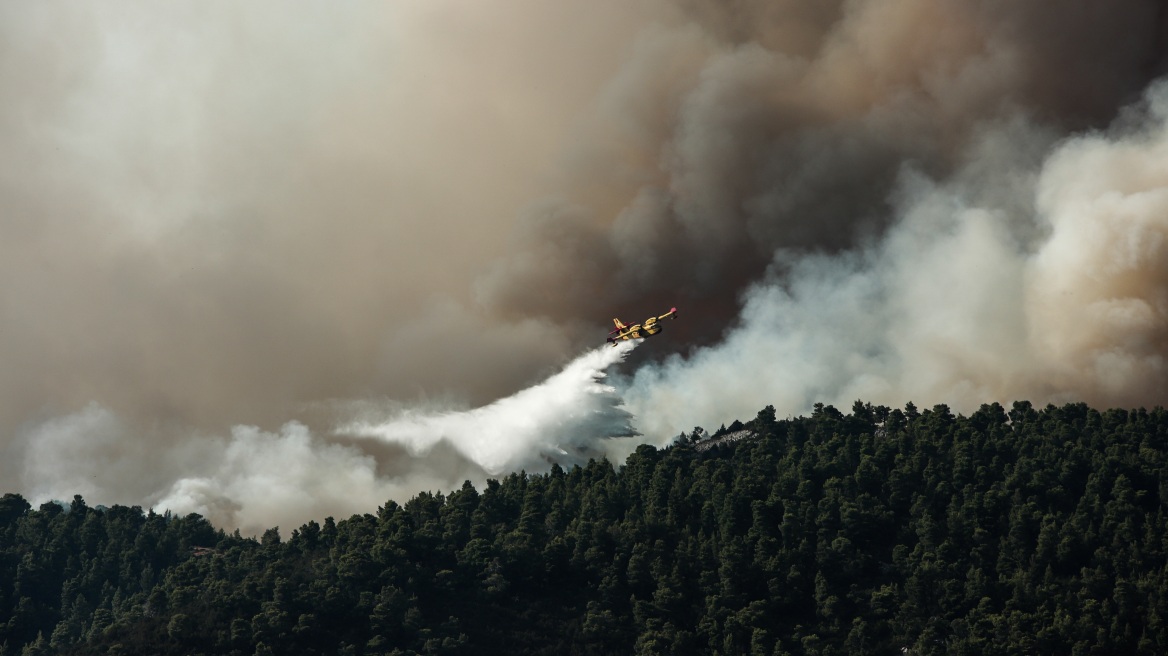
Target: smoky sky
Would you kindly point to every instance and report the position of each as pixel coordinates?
(212, 213)
(224, 226)
(764, 126)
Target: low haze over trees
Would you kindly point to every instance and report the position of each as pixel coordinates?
(1027, 531)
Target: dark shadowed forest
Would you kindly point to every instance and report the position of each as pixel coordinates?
(1009, 532)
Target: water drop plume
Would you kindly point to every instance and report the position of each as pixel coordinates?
(561, 419)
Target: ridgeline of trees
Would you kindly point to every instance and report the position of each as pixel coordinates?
(1028, 532)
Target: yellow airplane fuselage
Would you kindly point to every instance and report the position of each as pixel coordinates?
(646, 328)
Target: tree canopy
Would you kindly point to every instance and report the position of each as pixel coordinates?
(1021, 531)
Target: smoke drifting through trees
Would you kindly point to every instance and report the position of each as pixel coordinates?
(207, 227)
(254, 479)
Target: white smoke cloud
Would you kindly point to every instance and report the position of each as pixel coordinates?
(255, 479)
(1011, 280)
(261, 479)
(93, 452)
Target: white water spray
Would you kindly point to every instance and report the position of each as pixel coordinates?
(563, 419)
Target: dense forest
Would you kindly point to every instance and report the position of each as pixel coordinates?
(1021, 532)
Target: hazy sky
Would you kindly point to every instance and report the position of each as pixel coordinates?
(216, 218)
(213, 212)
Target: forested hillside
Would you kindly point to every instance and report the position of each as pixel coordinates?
(1032, 531)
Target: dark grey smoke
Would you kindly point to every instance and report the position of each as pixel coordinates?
(761, 126)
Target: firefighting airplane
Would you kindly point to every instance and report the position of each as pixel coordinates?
(646, 328)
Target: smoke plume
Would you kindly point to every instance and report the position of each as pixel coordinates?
(227, 230)
(1035, 271)
(253, 479)
(768, 126)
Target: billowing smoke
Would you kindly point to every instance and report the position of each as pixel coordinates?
(217, 215)
(254, 479)
(214, 214)
(1017, 277)
(764, 126)
(903, 199)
